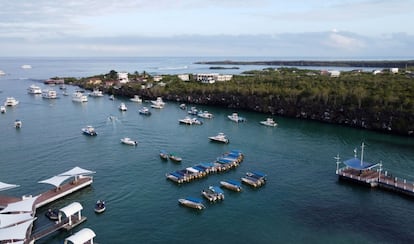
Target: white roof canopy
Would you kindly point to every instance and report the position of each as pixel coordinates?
(25, 205)
(77, 171)
(71, 209)
(5, 186)
(56, 180)
(11, 219)
(81, 236)
(16, 232)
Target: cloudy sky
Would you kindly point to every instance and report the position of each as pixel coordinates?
(273, 28)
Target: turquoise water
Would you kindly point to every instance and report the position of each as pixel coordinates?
(302, 202)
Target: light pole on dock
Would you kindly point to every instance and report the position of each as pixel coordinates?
(337, 163)
(362, 153)
(379, 172)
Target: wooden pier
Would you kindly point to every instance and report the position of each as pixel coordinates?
(57, 226)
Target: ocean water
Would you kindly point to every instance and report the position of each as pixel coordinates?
(302, 201)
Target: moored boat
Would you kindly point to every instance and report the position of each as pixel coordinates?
(78, 96)
(173, 157)
(190, 121)
(163, 154)
(144, 111)
(89, 131)
(269, 122)
(213, 193)
(192, 202)
(96, 93)
(159, 103)
(18, 123)
(52, 214)
(2, 109)
(220, 137)
(136, 99)
(49, 94)
(11, 101)
(123, 107)
(236, 118)
(231, 185)
(205, 115)
(193, 111)
(112, 97)
(183, 106)
(100, 206)
(33, 89)
(255, 179)
(129, 141)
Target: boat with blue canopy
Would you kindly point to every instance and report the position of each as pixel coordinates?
(231, 185)
(255, 179)
(192, 202)
(213, 193)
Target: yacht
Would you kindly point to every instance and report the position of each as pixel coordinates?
(78, 96)
(158, 103)
(123, 107)
(220, 137)
(89, 131)
(49, 94)
(236, 118)
(33, 89)
(269, 122)
(96, 93)
(136, 99)
(11, 101)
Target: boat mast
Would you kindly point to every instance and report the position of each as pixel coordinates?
(362, 153)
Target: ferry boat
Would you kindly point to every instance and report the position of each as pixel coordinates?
(11, 101)
(236, 118)
(220, 137)
(100, 206)
(255, 179)
(159, 103)
(33, 89)
(89, 131)
(144, 111)
(129, 141)
(136, 99)
(49, 94)
(192, 202)
(269, 122)
(123, 107)
(231, 185)
(3, 109)
(18, 124)
(96, 93)
(78, 96)
(213, 193)
(205, 115)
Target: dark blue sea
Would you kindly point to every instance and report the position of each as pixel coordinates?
(302, 201)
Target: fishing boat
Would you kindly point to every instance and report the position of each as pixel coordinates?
(236, 118)
(220, 137)
(129, 141)
(192, 202)
(89, 131)
(18, 124)
(159, 103)
(100, 206)
(269, 122)
(33, 89)
(231, 185)
(96, 93)
(174, 158)
(2, 109)
(123, 107)
(163, 155)
(213, 193)
(255, 179)
(11, 101)
(205, 115)
(52, 214)
(136, 99)
(144, 111)
(78, 96)
(49, 94)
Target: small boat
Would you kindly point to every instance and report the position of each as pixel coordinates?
(96, 93)
(190, 121)
(11, 101)
(192, 111)
(254, 179)
(123, 107)
(2, 109)
(78, 96)
(89, 131)
(112, 97)
(231, 185)
(64, 93)
(192, 202)
(163, 155)
(62, 87)
(26, 66)
(52, 214)
(220, 137)
(144, 111)
(236, 118)
(49, 94)
(129, 141)
(33, 89)
(213, 193)
(100, 206)
(269, 122)
(136, 99)
(159, 103)
(18, 124)
(205, 115)
(2, 72)
(183, 106)
(174, 158)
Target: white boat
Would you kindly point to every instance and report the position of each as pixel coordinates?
(2, 109)
(33, 89)
(236, 118)
(26, 66)
(2, 72)
(205, 115)
(96, 93)
(190, 121)
(136, 99)
(111, 97)
(255, 179)
(213, 193)
(11, 101)
(49, 94)
(220, 137)
(129, 141)
(89, 131)
(269, 122)
(192, 111)
(192, 203)
(231, 185)
(100, 206)
(18, 124)
(78, 96)
(158, 103)
(123, 107)
(144, 111)
(183, 106)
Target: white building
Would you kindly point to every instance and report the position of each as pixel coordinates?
(212, 78)
(394, 70)
(334, 73)
(123, 77)
(224, 77)
(157, 78)
(184, 77)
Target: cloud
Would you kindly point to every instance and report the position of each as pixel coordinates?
(341, 41)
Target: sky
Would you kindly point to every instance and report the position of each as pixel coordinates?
(210, 28)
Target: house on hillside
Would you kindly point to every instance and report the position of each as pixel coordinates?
(123, 77)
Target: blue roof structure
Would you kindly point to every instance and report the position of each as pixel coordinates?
(234, 182)
(193, 199)
(217, 189)
(355, 163)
